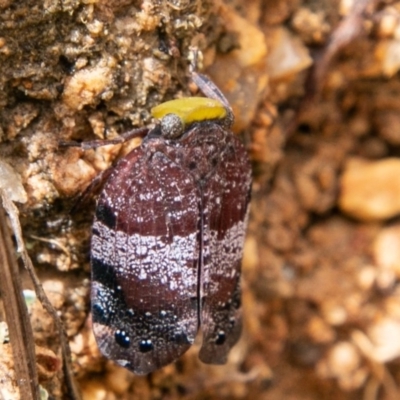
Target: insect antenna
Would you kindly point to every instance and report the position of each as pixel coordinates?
(209, 89)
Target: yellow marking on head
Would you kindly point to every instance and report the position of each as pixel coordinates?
(191, 109)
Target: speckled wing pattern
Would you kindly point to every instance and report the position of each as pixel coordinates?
(167, 247)
(225, 200)
(144, 256)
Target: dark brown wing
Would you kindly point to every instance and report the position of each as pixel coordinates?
(225, 203)
(144, 256)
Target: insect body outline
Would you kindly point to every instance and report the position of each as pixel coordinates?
(167, 241)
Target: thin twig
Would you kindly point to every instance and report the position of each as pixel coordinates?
(21, 334)
(12, 211)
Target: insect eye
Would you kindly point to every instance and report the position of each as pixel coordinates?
(172, 126)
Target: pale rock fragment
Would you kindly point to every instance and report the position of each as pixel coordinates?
(391, 59)
(288, 55)
(11, 183)
(385, 338)
(386, 251)
(343, 362)
(370, 191)
(380, 342)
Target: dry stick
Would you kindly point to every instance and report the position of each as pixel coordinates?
(348, 30)
(12, 211)
(21, 335)
(73, 391)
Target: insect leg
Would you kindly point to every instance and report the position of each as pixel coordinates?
(91, 190)
(93, 144)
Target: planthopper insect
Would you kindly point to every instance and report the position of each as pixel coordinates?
(168, 237)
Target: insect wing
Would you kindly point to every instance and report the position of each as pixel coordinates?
(144, 256)
(225, 204)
